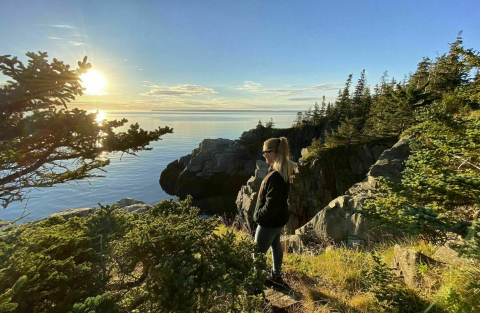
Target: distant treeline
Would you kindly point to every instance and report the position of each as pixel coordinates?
(451, 78)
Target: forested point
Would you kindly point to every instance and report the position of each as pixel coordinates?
(169, 260)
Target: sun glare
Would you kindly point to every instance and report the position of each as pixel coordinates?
(94, 82)
(100, 116)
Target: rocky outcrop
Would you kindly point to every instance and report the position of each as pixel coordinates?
(214, 172)
(320, 180)
(128, 204)
(315, 183)
(338, 219)
(211, 174)
(247, 197)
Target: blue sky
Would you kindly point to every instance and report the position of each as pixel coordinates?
(199, 55)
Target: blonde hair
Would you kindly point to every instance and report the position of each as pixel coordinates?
(282, 163)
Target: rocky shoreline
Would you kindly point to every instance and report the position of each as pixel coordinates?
(215, 171)
(321, 201)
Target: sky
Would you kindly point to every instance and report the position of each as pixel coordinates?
(221, 55)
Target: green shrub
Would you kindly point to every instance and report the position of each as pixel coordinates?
(167, 259)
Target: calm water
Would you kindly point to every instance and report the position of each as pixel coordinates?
(137, 177)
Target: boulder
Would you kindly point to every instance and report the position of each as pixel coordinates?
(137, 208)
(125, 202)
(69, 213)
(319, 181)
(297, 243)
(405, 264)
(447, 255)
(247, 197)
(338, 219)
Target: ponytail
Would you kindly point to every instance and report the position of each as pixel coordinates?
(282, 163)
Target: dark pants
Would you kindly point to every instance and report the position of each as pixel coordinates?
(270, 237)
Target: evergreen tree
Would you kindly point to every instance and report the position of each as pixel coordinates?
(298, 120)
(358, 96)
(330, 112)
(260, 125)
(323, 107)
(270, 124)
(316, 116)
(343, 104)
(307, 116)
(42, 142)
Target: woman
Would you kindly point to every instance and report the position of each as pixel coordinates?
(271, 212)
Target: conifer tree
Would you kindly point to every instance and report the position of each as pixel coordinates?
(298, 120)
(343, 103)
(330, 112)
(42, 142)
(323, 108)
(270, 124)
(259, 125)
(316, 116)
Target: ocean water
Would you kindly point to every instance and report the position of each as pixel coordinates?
(137, 176)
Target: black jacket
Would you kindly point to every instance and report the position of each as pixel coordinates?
(272, 208)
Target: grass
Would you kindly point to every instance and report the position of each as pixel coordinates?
(343, 280)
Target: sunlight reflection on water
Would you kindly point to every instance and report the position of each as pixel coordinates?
(137, 177)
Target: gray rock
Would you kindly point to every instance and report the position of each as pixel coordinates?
(248, 194)
(337, 220)
(125, 202)
(297, 243)
(448, 255)
(355, 243)
(69, 213)
(405, 264)
(390, 163)
(137, 208)
(128, 204)
(219, 167)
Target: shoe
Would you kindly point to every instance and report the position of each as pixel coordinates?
(276, 281)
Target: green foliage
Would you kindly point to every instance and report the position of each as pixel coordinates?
(389, 293)
(346, 134)
(5, 298)
(42, 143)
(259, 125)
(167, 259)
(270, 124)
(100, 304)
(440, 186)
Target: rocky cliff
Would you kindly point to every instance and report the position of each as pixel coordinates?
(214, 172)
(338, 220)
(317, 181)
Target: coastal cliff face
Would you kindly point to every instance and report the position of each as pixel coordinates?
(214, 172)
(338, 220)
(316, 182)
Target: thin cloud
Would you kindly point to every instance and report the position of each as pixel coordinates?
(55, 38)
(281, 92)
(176, 91)
(293, 92)
(249, 85)
(76, 43)
(62, 26)
(304, 99)
(324, 87)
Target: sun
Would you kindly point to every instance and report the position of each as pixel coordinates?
(94, 82)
